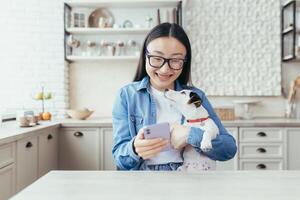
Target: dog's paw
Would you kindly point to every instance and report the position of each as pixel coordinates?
(206, 146)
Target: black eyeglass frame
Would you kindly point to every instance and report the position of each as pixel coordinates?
(165, 60)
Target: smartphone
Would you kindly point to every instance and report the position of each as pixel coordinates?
(160, 130)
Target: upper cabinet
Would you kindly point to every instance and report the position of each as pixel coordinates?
(113, 29)
(290, 31)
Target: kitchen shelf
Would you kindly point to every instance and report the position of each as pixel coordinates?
(77, 32)
(107, 30)
(124, 4)
(102, 58)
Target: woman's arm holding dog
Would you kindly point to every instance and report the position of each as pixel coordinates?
(224, 145)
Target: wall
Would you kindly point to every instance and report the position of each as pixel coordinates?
(236, 46)
(31, 54)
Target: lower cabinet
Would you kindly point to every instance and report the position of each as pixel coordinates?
(27, 162)
(293, 148)
(79, 149)
(231, 164)
(86, 149)
(7, 170)
(48, 151)
(107, 144)
(7, 181)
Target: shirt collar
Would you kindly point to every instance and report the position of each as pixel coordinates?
(144, 84)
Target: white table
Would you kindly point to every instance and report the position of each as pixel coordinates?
(106, 185)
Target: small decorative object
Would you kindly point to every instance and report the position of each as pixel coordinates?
(72, 42)
(103, 47)
(101, 18)
(90, 48)
(149, 21)
(119, 48)
(79, 18)
(245, 112)
(79, 114)
(174, 15)
(291, 106)
(225, 112)
(43, 96)
(111, 49)
(133, 48)
(127, 24)
(101, 22)
(158, 17)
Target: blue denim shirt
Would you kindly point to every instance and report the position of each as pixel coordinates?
(135, 108)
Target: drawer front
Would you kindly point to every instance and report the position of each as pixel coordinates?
(261, 135)
(7, 152)
(261, 150)
(261, 164)
(7, 182)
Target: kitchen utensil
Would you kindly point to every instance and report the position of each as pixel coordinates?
(101, 18)
(79, 114)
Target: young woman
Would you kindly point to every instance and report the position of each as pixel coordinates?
(165, 63)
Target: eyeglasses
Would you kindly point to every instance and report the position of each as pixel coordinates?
(158, 61)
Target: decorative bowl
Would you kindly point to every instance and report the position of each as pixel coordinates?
(79, 114)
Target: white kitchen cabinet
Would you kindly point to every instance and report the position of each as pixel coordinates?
(79, 149)
(27, 162)
(7, 181)
(293, 148)
(48, 151)
(231, 164)
(107, 160)
(7, 170)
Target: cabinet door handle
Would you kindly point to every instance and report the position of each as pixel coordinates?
(49, 137)
(261, 134)
(261, 166)
(29, 144)
(261, 150)
(78, 134)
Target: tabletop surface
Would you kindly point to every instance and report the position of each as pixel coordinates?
(142, 185)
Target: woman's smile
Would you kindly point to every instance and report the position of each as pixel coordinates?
(163, 77)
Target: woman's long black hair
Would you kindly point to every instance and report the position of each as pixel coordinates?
(166, 30)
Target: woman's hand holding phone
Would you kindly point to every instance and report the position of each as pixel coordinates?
(148, 148)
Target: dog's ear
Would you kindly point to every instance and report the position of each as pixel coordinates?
(195, 99)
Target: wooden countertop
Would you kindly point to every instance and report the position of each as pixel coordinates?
(142, 185)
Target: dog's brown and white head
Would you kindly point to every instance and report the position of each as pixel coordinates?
(187, 102)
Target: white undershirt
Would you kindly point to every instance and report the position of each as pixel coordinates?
(165, 112)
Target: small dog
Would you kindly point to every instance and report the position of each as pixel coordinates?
(190, 105)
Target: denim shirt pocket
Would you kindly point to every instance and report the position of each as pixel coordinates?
(137, 122)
